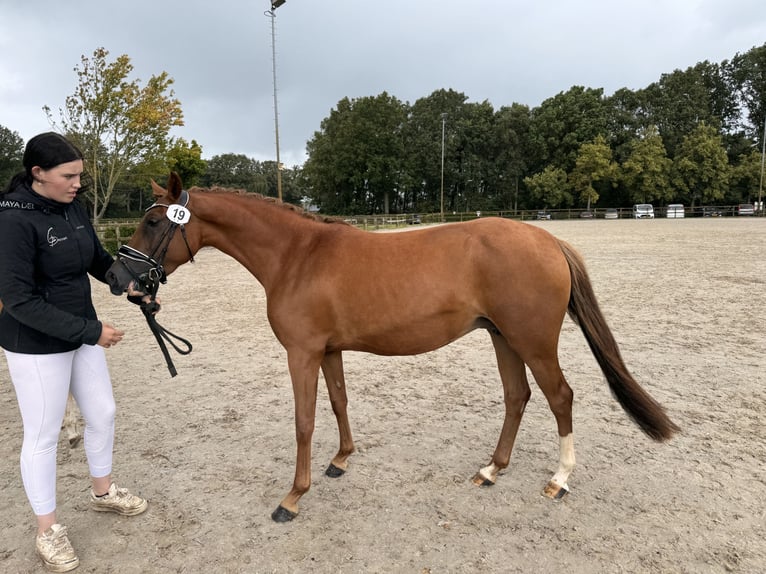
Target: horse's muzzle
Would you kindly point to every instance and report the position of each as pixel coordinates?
(118, 276)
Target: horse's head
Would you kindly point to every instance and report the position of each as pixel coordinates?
(155, 250)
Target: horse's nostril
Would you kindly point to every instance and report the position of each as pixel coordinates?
(117, 280)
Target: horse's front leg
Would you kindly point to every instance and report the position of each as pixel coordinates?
(304, 372)
(71, 422)
(332, 368)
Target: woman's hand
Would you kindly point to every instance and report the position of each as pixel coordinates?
(145, 299)
(109, 335)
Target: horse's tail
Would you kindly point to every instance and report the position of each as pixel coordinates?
(584, 311)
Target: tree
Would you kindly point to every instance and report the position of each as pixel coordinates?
(701, 167)
(512, 125)
(745, 178)
(11, 155)
(561, 124)
(236, 171)
(748, 73)
(646, 172)
(683, 99)
(549, 187)
(625, 121)
(117, 122)
(186, 160)
(356, 158)
(593, 165)
(422, 140)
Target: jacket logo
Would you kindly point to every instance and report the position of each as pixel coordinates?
(52, 238)
(13, 204)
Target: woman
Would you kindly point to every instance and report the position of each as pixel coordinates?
(52, 339)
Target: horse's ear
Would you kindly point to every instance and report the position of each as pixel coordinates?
(174, 186)
(158, 191)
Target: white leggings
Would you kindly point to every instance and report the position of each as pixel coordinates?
(42, 384)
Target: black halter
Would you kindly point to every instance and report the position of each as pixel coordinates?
(151, 273)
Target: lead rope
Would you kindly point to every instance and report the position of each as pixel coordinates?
(162, 334)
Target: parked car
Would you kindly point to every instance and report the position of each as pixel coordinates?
(643, 211)
(611, 213)
(710, 211)
(415, 219)
(675, 211)
(745, 209)
(543, 215)
(586, 215)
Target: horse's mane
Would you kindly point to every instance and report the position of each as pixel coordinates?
(258, 197)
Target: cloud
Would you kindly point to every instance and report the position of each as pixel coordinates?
(219, 55)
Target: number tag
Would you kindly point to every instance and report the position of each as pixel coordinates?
(178, 214)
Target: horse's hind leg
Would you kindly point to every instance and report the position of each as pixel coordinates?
(551, 381)
(516, 394)
(332, 368)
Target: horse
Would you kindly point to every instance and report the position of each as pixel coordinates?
(332, 287)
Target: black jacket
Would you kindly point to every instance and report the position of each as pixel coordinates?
(47, 250)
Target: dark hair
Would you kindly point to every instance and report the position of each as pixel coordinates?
(46, 150)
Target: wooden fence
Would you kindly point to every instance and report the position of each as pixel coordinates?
(114, 233)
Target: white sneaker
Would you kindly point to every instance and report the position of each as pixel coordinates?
(55, 550)
(118, 500)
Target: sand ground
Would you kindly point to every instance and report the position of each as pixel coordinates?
(213, 448)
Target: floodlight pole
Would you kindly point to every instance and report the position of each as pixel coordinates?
(444, 122)
(272, 14)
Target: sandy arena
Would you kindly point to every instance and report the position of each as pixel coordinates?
(213, 448)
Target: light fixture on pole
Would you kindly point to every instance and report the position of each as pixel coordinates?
(444, 122)
(272, 14)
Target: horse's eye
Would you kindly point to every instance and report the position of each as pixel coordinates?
(153, 222)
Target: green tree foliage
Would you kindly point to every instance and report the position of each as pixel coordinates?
(549, 187)
(701, 167)
(566, 121)
(422, 137)
(512, 136)
(593, 165)
(646, 171)
(186, 160)
(679, 101)
(117, 122)
(745, 178)
(355, 159)
(748, 80)
(11, 155)
(237, 171)
(625, 121)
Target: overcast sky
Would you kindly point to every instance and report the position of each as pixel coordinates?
(219, 54)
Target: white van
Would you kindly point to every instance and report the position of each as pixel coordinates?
(675, 211)
(643, 211)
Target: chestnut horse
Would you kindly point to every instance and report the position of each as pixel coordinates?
(332, 287)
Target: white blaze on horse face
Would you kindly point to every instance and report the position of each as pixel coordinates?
(178, 214)
(566, 460)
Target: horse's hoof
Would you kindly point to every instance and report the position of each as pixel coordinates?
(281, 514)
(555, 491)
(333, 471)
(480, 480)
